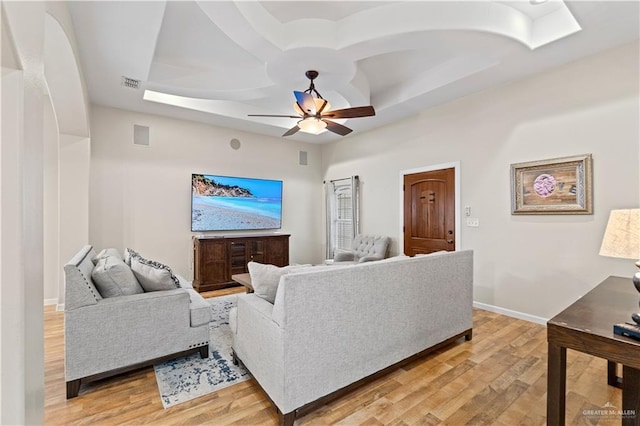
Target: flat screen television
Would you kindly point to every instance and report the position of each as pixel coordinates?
(226, 203)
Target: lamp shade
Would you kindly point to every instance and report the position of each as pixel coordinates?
(622, 236)
(312, 125)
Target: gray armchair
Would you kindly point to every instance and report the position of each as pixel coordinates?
(364, 248)
(108, 336)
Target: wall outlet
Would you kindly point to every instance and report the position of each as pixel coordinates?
(473, 222)
(467, 211)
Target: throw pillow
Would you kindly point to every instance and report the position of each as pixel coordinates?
(153, 276)
(265, 279)
(112, 277)
(106, 253)
(128, 254)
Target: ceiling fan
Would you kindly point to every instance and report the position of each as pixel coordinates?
(314, 113)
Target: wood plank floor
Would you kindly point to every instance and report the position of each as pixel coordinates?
(499, 378)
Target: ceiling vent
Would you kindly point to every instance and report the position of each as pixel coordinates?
(130, 82)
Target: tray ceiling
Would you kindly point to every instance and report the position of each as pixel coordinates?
(216, 62)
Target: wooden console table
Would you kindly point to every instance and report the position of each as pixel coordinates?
(217, 258)
(587, 326)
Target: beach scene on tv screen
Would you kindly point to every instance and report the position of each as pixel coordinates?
(221, 203)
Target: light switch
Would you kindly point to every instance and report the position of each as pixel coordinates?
(473, 222)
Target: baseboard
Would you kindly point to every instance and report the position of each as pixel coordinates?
(510, 313)
(60, 307)
(48, 302)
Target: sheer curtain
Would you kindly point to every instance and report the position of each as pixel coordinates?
(342, 198)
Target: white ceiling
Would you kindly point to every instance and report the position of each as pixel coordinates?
(217, 61)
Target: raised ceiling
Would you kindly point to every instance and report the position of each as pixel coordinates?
(217, 61)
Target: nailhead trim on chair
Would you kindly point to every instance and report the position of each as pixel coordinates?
(88, 285)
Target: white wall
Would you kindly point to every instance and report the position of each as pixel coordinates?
(50, 211)
(21, 247)
(140, 197)
(531, 264)
(73, 192)
(66, 156)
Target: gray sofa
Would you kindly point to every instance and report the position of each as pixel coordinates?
(108, 336)
(333, 327)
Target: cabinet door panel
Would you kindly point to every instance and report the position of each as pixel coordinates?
(278, 251)
(213, 257)
(238, 251)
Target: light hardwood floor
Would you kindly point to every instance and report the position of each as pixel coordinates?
(499, 378)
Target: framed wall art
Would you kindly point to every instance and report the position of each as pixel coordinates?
(557, 186)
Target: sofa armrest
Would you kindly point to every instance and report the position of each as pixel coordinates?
(123, 330)
(258, 342)
(343, 256)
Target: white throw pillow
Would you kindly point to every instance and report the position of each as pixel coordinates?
(113, 278)
(106, 253)
(265, 279)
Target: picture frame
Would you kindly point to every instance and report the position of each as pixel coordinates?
(555, 186)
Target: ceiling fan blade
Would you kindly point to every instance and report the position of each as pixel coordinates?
(305, 102)
(337, 128)
(355, 112)
(291, 131)
(269, 115)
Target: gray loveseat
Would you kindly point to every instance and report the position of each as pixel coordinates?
(331, 328)
(108, 336)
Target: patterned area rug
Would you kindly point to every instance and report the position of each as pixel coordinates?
(184, 379)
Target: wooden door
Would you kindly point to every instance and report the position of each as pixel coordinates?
(429, 212)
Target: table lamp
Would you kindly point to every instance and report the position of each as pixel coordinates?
(622, 239)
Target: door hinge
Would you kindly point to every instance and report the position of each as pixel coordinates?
(403, 229)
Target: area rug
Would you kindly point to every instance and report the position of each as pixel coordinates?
(184, 379)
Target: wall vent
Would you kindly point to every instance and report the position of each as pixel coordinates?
(303, 158)
(130, 82)
(140, 135)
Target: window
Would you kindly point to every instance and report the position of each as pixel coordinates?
(342, 214)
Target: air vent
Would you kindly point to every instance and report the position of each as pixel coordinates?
(130, 82)
(303, 158)
(140, 135)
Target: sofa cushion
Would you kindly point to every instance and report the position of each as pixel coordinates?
(106, 253)
(153, 276)
(112, 277)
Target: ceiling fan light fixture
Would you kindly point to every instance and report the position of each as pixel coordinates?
(316, 114)
(312, 125)
(317, 101)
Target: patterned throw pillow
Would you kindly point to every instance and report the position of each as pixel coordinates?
(128, 254)
(152, 275)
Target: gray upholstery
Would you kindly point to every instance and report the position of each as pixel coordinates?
(364, 248)
(108, 334)
(330, 327)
